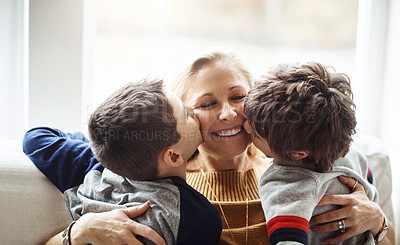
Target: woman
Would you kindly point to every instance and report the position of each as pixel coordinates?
(225, 169)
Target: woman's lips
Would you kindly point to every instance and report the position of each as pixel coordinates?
(228, 132)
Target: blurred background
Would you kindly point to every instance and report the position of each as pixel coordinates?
(60, 58)
(134, 39)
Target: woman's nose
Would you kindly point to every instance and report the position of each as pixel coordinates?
(227, 112)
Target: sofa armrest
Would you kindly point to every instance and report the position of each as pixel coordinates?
(32, 208)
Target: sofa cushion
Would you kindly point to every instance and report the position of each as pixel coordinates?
(32, 209)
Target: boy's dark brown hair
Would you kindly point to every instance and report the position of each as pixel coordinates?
(304, 107)
(129, 130)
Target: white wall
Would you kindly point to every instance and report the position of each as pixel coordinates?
(13, 68)
(55, 58)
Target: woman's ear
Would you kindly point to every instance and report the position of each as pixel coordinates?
(172, 158)
(298, 155)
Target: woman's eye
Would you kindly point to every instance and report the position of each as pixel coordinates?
(238, 97)
(207, 105)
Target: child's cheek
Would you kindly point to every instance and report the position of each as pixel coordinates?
(248, 129)
(257, 143)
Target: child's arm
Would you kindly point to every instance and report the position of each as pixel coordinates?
(63, 158)
(288, 202)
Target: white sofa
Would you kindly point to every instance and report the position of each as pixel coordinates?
(32, 209)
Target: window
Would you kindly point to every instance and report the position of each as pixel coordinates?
(135, 39)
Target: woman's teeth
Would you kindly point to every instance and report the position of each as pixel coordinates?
(229, 132)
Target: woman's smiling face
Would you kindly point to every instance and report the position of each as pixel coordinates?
(217, 95)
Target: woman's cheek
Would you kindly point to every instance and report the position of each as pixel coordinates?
(207, 119)
(201, 118)
(241, 109)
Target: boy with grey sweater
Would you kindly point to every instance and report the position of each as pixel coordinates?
(303, 116)
(143, 135)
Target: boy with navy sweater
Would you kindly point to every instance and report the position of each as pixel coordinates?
(143, 135)
(303, 116)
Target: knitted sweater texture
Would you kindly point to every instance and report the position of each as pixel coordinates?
(227, 189)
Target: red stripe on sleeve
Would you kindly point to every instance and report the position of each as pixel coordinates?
(287, 221)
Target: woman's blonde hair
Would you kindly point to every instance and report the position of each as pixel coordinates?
(181, 84)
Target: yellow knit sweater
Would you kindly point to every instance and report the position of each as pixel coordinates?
(229, 190)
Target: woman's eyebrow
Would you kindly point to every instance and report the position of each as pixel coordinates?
(238, 87)
(205, 95)
(233, 87)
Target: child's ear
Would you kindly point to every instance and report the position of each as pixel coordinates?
(298, 155)
(172, 158)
